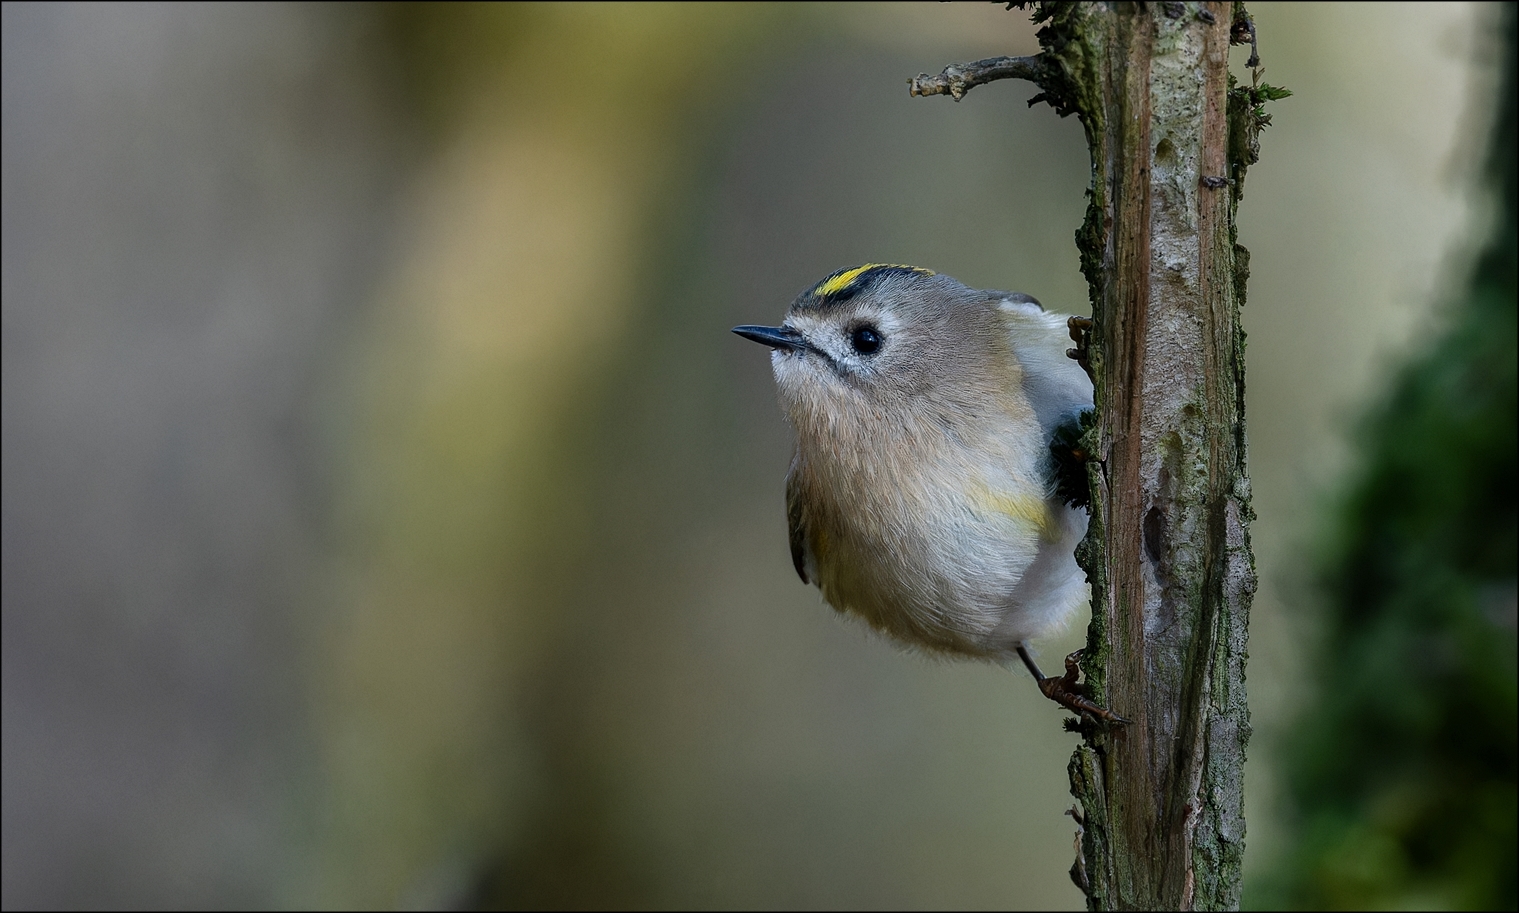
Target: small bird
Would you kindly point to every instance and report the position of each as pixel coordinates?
(924, 495)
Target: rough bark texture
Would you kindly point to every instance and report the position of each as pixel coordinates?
(1168, 552)
(1168, 547)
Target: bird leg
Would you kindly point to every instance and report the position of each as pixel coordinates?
(1066, 691)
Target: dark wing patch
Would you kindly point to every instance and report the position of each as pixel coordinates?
(1068, 459)
(796, 524)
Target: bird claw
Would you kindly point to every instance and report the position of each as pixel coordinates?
(1067, 691)
(1079, 327)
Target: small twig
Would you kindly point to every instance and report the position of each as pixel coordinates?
(959, 78)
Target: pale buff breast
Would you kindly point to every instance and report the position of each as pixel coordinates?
(907, 531)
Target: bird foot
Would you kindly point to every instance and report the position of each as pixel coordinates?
(1069, 693)
(1079, 328)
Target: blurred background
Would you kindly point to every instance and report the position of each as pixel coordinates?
(390, 520)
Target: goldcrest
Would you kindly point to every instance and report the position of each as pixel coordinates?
(923, 495)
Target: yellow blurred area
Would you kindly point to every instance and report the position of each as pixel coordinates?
(517, 283)
(391, 520)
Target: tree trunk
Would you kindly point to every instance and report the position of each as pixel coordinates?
(1168, 551)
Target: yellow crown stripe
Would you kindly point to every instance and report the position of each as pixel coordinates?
(835, 284)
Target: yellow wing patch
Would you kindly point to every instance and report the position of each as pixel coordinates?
(1031, 509)
(838, 283)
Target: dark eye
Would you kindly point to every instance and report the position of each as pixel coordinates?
(866, 340)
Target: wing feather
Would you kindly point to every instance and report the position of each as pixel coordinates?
(796, 522)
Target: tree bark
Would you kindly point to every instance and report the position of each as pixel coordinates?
(1168, 550)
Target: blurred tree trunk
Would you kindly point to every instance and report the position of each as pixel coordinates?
(1168, 552)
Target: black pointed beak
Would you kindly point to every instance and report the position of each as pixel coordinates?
(774, 337)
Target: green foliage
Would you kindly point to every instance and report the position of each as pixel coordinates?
(1402, 772)
(1247, 118)
(1266, 92)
